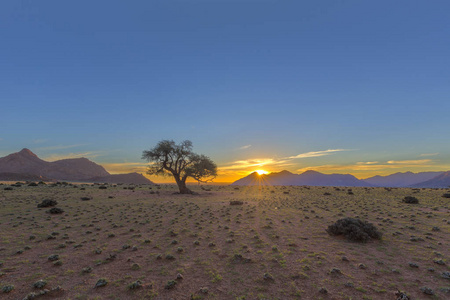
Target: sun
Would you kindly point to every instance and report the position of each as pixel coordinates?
(261, 172)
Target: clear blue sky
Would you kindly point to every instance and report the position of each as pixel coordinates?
(247, 81)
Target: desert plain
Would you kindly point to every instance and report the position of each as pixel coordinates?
(146, 242)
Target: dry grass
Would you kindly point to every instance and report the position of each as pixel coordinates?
(274, 246)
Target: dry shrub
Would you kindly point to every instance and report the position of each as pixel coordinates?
(354, 230)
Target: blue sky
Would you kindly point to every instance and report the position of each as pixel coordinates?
(251, 83)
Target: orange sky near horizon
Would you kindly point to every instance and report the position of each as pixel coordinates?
(360, 171)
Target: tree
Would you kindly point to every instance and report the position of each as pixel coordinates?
(169, 159)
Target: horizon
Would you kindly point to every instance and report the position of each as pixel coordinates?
(261, 173)
(347, 88)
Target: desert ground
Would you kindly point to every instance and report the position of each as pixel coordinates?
(145, 242)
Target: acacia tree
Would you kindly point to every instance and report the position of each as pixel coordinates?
(170, 159)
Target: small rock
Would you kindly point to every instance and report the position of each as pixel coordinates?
(427, 290)
(446, 275)
(53, 257)
(101, 282)
(335, 271)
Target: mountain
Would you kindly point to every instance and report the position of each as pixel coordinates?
(129, 178)
(310, 177)
(401, 179)
(75, 169)
(440, 181)
(25, 164)
(24, 161)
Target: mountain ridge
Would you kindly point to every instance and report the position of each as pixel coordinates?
(309, 177)
(401, 179)
(314, 178)
(25, 164)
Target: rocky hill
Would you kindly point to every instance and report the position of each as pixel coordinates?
(25, 165)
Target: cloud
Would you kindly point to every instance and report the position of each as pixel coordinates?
(410, 162)
(127, 167)
(373, 166)
(59, 147)
(92, 154)
(244, 164)
(366, 162)
(244, 147)
(318, 153)
(39, 141)
(429, 154)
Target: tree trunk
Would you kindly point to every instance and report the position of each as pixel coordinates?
(182, 186)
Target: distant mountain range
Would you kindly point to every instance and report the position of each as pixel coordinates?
(314, 178)
(306, 178)
(25, 165)
(402, 179)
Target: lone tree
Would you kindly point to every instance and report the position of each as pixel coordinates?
(170, 159)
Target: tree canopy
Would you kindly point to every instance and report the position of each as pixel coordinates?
(170, 159)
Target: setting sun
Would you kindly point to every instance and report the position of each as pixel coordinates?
(261, 172)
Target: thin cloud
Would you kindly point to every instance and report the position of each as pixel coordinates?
(429, 154)
(318, 153)
(59, 147)
(244, 147)
(244, 164)
(372, 166)
(92, 154)
(367, 163)
(410, 162)
(39, 141)
(127, 167)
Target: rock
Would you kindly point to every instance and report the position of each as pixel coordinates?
(53, 257)
(401, 296)
(101, 282)
(335, 271)
(427, 290)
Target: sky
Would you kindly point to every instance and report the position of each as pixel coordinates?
(359, 87)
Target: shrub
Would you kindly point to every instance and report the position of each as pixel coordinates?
(170, 284)
(446, 195)
(56, 210)
(354, 230)
(47, 203)
(135, 285)
(40, 284)
(410, 200)
(236, 202)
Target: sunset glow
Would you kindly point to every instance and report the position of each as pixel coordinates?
(261, 172)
